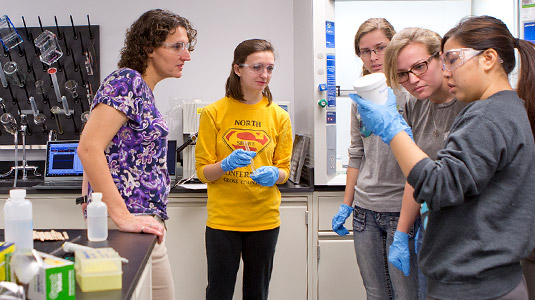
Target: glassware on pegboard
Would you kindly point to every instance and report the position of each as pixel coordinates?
(9, 35)
(48, 45)
(13, 74)
(9, 122)
(39, 89)
(71, 85)
(40, 120)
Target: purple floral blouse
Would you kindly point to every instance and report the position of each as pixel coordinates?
(137, 154)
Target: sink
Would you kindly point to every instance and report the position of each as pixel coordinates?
(20, 183)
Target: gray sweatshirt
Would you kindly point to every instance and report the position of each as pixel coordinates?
(481, 196)
(380, 182)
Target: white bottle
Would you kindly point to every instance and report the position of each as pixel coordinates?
(18, 220)
(97, 219)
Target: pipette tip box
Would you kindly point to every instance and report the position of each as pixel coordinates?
(98, 269)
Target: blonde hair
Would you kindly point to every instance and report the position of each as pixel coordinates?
(369, 26)
(412, 35)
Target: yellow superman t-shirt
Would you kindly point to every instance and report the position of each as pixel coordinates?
(235, 201)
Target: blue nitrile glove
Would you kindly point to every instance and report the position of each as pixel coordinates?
(424, 212)
(383, 120)
(238, 158)
(340, 218)
(266, 175)
(399, 255)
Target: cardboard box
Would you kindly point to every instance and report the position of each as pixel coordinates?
(55, 280)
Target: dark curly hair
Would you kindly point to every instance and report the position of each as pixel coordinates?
(149, 32)
(242, 51)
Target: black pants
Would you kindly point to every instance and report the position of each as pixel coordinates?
(223, 251)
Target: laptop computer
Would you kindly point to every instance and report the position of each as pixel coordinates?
(63, 168)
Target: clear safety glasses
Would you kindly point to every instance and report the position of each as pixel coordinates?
(259, 68)
(178, 48)
(455, 58)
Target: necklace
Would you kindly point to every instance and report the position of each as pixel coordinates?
(435, 131)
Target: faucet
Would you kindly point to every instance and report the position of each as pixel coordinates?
(24, 130)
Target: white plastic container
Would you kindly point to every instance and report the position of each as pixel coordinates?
(372, 87)
(18, 220)
(97, 219)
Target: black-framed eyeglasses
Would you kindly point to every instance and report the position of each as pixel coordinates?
(178, 48)
(366, 53)
(417, 69)
(259, 68)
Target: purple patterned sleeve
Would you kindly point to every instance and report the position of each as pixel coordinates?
(123, 90)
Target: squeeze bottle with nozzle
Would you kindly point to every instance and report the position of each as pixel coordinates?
(18, 220)
(97, 219)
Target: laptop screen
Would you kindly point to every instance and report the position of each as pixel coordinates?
(62, 162)
(171, 158)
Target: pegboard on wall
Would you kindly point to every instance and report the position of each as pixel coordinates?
(78, 77)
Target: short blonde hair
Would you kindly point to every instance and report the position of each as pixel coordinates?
(369, 26)
(412, 35)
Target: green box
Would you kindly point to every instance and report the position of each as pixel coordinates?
(5, 249)
(55, 280)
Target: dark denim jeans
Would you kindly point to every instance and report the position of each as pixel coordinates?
(422, 280)
(373, 233)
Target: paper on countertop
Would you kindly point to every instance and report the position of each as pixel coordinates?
(193, 186)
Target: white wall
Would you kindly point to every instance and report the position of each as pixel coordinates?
(504, 10)
(221, 26)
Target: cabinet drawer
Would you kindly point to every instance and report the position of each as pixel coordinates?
(328, 207)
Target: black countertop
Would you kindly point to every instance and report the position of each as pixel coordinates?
(135, 247)
(29, 185)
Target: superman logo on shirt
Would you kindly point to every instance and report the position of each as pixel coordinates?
(257, 140)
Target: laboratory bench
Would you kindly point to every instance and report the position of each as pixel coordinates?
(137, 248)
(298, 273)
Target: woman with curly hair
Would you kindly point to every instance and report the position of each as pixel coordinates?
(123, 147)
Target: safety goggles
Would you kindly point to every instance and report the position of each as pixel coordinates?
(455, 58)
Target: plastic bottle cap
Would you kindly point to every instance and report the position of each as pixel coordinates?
(17, 193)
(97, 197)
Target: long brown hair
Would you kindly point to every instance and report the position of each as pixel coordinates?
(485, 32)
(242, 51)
(148, 32)
(369, 26)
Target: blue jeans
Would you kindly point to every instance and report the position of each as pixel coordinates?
(373, 233)
(422, 280)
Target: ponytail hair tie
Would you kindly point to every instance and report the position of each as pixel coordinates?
(516, 42)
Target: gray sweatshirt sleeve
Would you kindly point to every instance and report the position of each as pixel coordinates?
(356, 148)
(472, 155)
